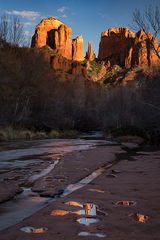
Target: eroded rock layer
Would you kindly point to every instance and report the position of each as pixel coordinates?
(57, 35)
(90, 54)
(78, 53)
(120, 46)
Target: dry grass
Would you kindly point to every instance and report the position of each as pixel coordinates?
(9, 133)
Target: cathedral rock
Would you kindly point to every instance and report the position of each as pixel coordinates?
(120, 46)
(57, 35)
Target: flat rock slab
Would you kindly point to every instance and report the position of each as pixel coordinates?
(8, 191)
(136, 181)
(73, 167)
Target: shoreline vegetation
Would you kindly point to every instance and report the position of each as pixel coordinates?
(120, 135)
(9, 134)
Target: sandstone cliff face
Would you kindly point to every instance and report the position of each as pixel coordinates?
(66, 66)
(90, 54)
(63, 42)
(57, 35)
(78, 53)
(44, 32)
(120, 46)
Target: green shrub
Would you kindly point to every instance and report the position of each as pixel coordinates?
(94, 67)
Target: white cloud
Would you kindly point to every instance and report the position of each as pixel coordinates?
(24, 14)
(62, 9)
(28, 34)
(64, 16)
(29, 24)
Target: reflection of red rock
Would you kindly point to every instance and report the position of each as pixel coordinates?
(120, 46)
(90, 54)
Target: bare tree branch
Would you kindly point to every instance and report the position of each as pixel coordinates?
(11, 30)
(148, 21)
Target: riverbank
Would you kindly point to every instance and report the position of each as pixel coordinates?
(134, 180)
(10, 134)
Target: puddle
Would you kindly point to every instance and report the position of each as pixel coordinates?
(59, 213)
(85, 234)
(96, 190)
(126, 203)
(34, 230)
(76, 204)
(86, 221)
(89, 209)
(138, 217)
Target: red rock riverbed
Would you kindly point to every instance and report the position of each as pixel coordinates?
(136, 184)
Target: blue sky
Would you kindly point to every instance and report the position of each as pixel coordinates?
(86, 17)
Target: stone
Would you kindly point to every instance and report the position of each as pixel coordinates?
(57, 36)
(120, 46)
(78, 52)
(63, 42)
(44, 32)
(66, 65)
(90, 54)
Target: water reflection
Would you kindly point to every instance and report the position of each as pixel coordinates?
(84, 234)
(34, 230)
(138, 217)
(77, 204)
(89, 209)
(86, 221)
(125, 203)
(95, 190)
(59, 212)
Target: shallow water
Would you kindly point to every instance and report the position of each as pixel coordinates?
(30, 160)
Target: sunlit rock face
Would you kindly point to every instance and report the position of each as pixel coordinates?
(78, 53)
(120, 46)
(90, 54)
(44, 32)
(57, 35)
(65, 65)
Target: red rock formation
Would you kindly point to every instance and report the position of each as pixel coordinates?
(63, 42)
(55, 34)
(90, 54)
(65, 65)
(60, 63)
(44, 32)
(78, 53)
(120, 46)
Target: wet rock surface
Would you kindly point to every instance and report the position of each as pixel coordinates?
(64, 174)
(136, 181)
(8, 191)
